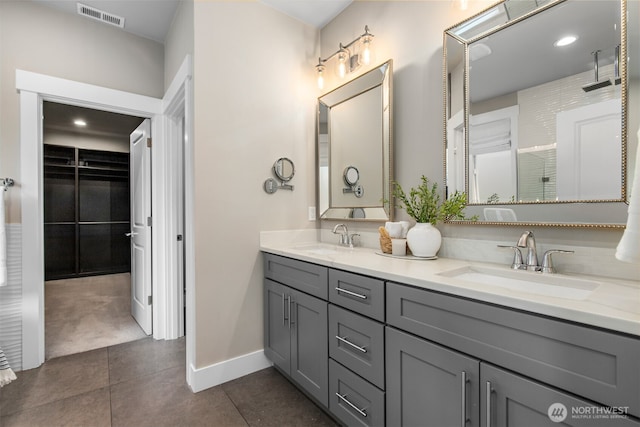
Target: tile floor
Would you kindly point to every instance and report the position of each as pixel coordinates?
(142, 383)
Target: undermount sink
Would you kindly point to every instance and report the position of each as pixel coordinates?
(526, 281)
(320, 249)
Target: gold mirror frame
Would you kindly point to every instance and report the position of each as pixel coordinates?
(540, 209)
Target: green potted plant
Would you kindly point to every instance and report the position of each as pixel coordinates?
(424, 204)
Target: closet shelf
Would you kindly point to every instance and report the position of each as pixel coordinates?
(86, 211)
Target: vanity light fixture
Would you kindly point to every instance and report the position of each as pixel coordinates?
(349, 59)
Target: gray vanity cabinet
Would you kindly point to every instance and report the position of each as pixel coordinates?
(429, 385)
(295, 326)
(381, 353)
(564, 363)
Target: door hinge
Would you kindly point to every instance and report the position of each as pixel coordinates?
(149, 142)
(149, 221)
(179, 237)
(149, 300)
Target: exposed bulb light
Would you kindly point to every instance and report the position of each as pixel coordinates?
(565, 41)
(320, 70)
(366, 52)
(342, 64)
(349, 57)
(79, 123)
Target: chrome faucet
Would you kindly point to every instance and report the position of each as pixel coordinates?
(527, 240)
(346, 239)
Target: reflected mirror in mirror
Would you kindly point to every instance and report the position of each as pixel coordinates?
(351, 175)
(535, 130)
(283, 168)
(354, 128)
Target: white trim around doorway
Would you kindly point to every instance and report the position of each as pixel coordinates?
(34, 88)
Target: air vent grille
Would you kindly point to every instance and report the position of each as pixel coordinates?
(99, 15)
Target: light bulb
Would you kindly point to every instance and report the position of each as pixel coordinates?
(320, 70)
(342, 65)
(366, 53)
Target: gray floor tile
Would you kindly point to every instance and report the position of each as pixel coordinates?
(88, 409)
(164, 399)
(138, 358)
(266, 398)
(57, 379)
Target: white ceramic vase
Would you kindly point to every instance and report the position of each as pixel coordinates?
(424, 240)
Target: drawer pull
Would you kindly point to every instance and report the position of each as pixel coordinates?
(353, 294)
(346, 341)
(345, 400)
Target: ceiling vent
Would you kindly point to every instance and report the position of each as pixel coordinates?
(99, 15)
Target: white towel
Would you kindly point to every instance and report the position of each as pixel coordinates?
(394, 229)
(629, 247)
(3, 243)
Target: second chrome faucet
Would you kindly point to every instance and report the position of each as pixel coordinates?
(527, 240)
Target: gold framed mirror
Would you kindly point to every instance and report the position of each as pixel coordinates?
(536, 132)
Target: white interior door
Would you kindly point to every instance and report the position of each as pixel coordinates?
(589, 152)
(140, 173)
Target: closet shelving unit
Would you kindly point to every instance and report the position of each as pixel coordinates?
(86, 212)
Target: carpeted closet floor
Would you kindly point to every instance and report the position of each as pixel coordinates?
(88, 313)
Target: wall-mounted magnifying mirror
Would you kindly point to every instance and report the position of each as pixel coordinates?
(355, 127)
(351, 177)
(284, 170)
(532, 132)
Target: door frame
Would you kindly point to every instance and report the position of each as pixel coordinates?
(35, 88)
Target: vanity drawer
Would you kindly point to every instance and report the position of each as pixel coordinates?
(300, 275)
(352, 400)
(358, 343)
(597, 364)
(361, 294)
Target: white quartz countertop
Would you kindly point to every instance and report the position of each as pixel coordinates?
(614, 304)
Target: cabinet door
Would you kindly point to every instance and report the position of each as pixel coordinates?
(429, 385)
(277, 335)
(512, 400)
(309, 345)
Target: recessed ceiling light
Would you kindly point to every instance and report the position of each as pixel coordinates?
(79, 122)
(565, 41)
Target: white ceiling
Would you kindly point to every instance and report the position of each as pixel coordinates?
(152, 18)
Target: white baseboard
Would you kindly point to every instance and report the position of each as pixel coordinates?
(221, 372)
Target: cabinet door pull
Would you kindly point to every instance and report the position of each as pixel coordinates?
(488, 404)
(284, 316)
(346, 341)
(353, 294)
(292, 309)
(464, 398)
(355, 408)
(289, 307)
